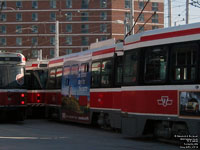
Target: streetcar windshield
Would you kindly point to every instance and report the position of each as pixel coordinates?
(11, 76)
(36, 78)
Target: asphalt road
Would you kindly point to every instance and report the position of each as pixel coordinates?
(47, 135)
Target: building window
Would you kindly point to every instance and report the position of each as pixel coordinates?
(3, 17)
(154, 27)
(69, 40)
(34, 17)
(18, 51)
(84, 41)
(68, 3)
(155, 18)
(84, 16)
(34, 29)
(103, 28)
(3, 41)
(154, 6)
(52, 28)
(128, 28)
(68, 51)
(68, 28)
(34, 41)
(53, 3)
(141, 28)
(18, 16)
(18, 41)
(18, 4)
(3, 4)
(2, 29)
(103, 3)
(127, 17)
(52, 40)
(127, 4)
(53, 16)
(141, 5)
(103, 38)
(35, 4)
(85, 4)
(18, 29)
(68, 16)
(103, 15)
(141, 18)
(84, 28)
(52, 52)
(34, 53)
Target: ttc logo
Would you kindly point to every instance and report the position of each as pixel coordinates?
(164, 101)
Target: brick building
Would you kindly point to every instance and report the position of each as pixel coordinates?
(29, 26)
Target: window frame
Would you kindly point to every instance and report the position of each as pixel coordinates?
(148, 51)
(137, 51)
(99, 85)
(59, 78)
(51, 79)
(68, 3)
(35, 4)
(18, 16)
(196, 66)
(19, 4)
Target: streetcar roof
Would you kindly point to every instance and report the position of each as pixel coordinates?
(12, 58)
(163, 36)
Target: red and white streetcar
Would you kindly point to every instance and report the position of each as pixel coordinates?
(147, 85)
(12, 86)
(36, 76)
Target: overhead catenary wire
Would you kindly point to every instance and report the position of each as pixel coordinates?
(146, 22)
(136, 19)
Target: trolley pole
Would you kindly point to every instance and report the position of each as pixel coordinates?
(56, 53)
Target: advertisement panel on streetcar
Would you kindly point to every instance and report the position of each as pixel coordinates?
(76, 91)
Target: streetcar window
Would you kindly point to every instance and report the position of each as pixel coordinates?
(16, 76)
(106, 73)
(35, 80)
(84, 67)
(43, 75)
(3, 76)
(130, 68)
(155, 65)
(96, 68)
(184, 62)
(74, 70)
(58, 78)
(51, 80)
(118, 71)
(66, 73)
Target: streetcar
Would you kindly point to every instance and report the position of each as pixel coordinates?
(141, 86)
(53, 88)
(12, 86)
(36, 76)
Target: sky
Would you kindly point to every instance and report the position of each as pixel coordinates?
(179, 12)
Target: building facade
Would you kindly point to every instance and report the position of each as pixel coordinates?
(29, 27)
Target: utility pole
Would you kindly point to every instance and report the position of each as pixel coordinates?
(56, 53)
(169, 13)
(187, 11)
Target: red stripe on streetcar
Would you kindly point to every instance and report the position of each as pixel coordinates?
(167, 35)
(56, 61)
(103, 52)
(34, 65)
